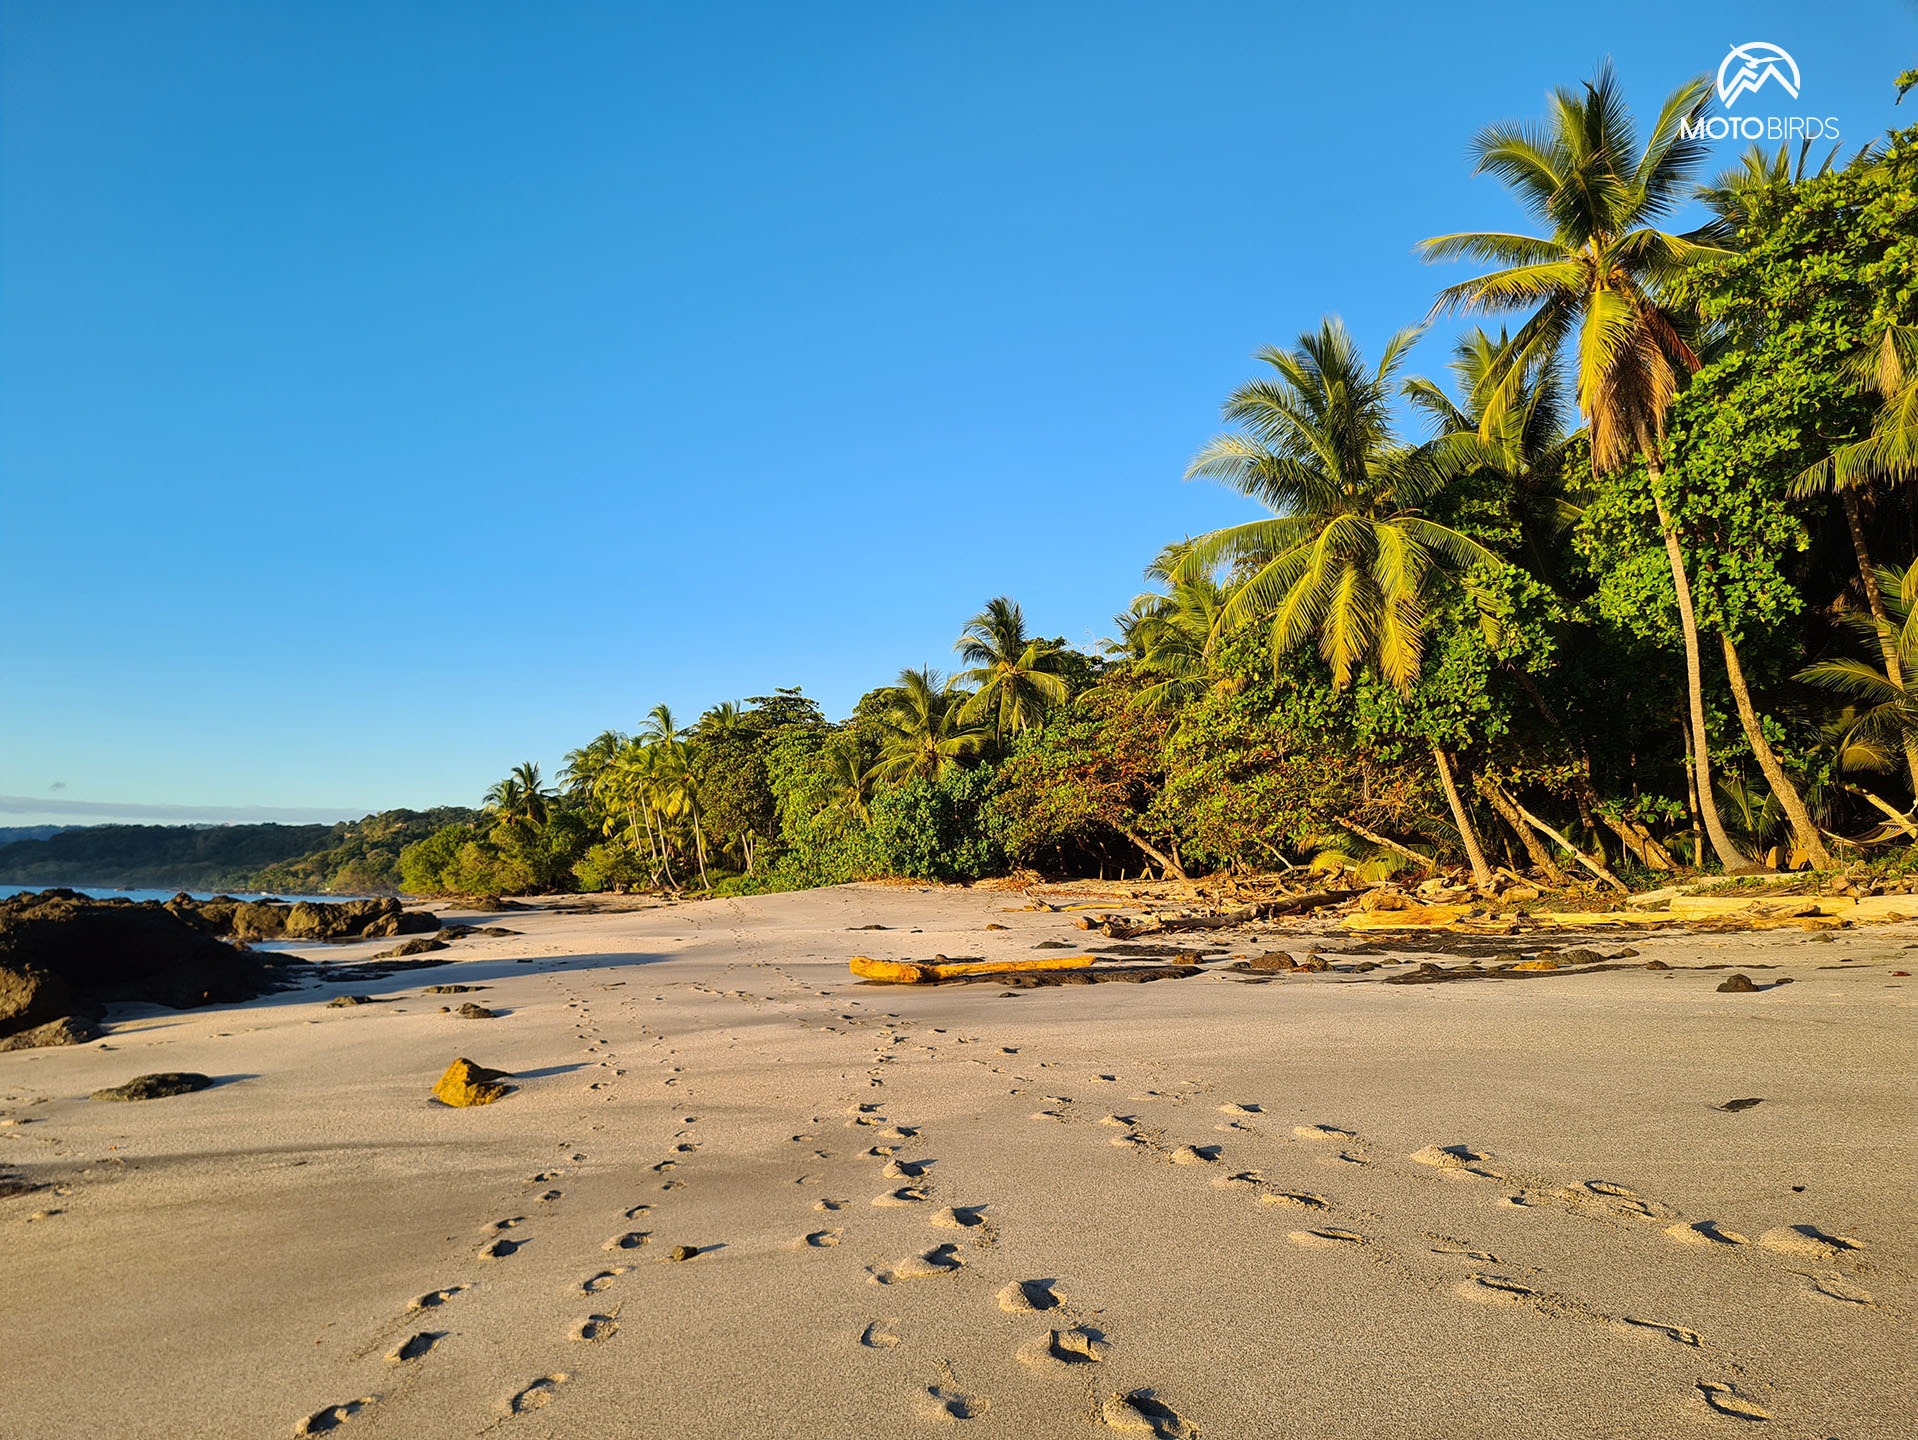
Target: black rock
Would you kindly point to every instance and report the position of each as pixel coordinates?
(155, 1087)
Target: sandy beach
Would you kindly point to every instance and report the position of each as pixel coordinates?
(1324, 1206)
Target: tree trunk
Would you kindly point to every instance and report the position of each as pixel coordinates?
(1165, 862)
(1691, 795)
(1572, 850)
(1803, 831)
(1728, 854)
(1508, 812)
(1426, 862)
(1481, 872)
(1880, 617)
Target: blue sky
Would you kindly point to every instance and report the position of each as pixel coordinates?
(393, 392)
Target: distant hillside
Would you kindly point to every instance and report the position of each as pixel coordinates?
(131, 857)
(354, 857)
(11, 833)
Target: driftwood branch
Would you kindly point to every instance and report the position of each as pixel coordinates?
(1903, 822)
(1116, 928)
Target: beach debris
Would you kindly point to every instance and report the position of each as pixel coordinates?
(1739, 984)
(155, 1087)
(910, 972)
(12, 1185)
(1745, 1104)
(470, 1011)
(465, 1083)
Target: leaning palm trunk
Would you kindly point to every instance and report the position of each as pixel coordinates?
(1880, 616)
(1508, 812)
(1467, 833)
(1728, 854)
(1804, 833)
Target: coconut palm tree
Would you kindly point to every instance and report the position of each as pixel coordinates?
(1016, 675)
(1889, 453)
(1347, 557)
(521, 798)
(1599, 276)
(848, 777)
(725, 718)
(1510, 427)
(1888, 721)
(586, 765)
(923, 729)
(1169, 633)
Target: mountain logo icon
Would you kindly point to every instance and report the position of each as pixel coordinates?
(1752, 66)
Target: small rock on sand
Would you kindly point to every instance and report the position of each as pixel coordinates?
(155, 1087)
(470, 1011)
(1736, 985)
(465, 1083)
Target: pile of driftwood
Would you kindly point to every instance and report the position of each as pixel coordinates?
(1441, 904)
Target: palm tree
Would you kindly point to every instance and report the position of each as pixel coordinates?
(725, 718)
(1017, 675)
(1169, 633)
(1347, 557)
(1600, 274)
(848, 777)
(586, 765)
(1510, 426)
(923, 728)
(1890, 452)
(521, 797)
(1888, 723)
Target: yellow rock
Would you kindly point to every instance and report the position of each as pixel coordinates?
(465, 1083)
(1538, 965)
(916, 972)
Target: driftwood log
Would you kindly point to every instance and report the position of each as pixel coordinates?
(1114, 927)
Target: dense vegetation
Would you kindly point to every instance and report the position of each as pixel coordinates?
(1637, 595)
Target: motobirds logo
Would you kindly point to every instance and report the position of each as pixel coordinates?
(1749, 71)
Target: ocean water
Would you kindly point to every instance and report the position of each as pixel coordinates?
(104, 892)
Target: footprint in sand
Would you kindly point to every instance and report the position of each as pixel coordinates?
(1494, 1290)
(1141, 1412)
(595, 1327)
(1705, 1232)
(959, 1217)
(1195, 1155)
(1677, 1334)
(949, 1402)
(1452, 1157)
(535, 1395)
(323, 1422)
(1807, 1241)
(631, 1240)
(414, 1346)
(829, 1205)
(635, 1212)
(1024, 1297)
(822, 1239)
(1329, 1238)
(595, 1283)
(904, 1195)
(940, 1260)
(903, 1169)
(433, 1299)
(880, 1335)
(499, 1249)
(1730, 1400)
(1323, 1132)
(1833, 1288)
(1304, 1198)
(1235, 1109)
(1065, 1349)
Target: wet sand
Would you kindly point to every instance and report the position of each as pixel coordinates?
(1322, 1206)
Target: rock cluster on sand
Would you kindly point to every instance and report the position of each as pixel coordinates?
(64, 956)
(465, 1083)
(375, 919)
